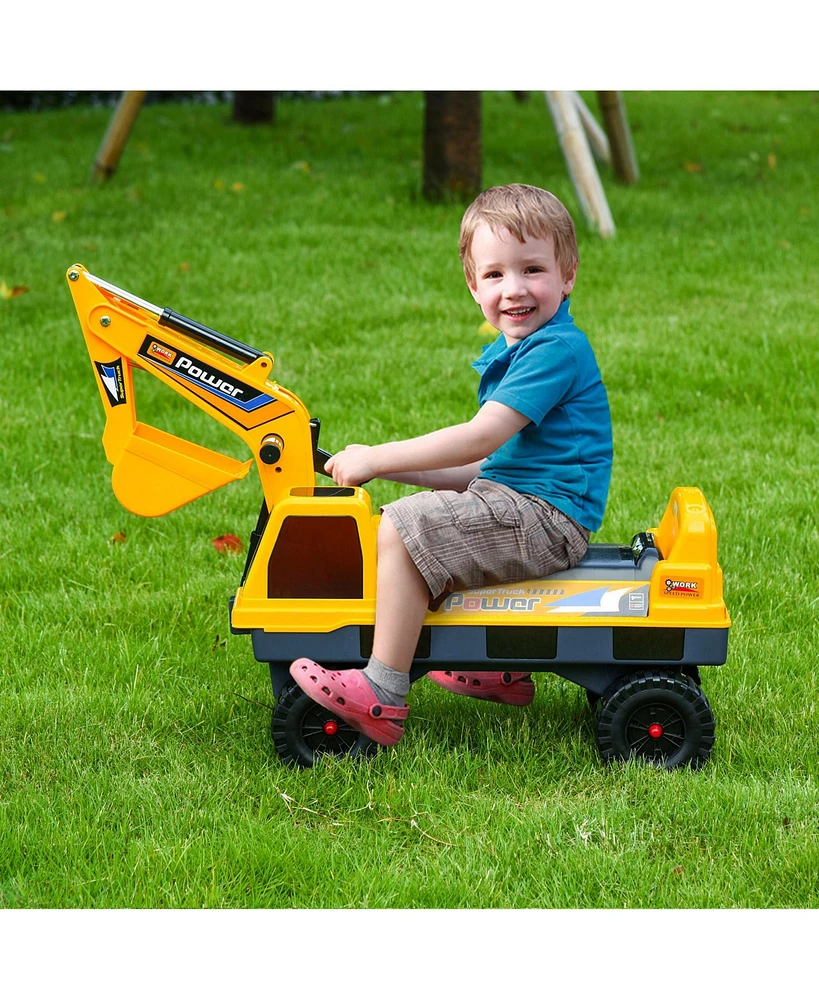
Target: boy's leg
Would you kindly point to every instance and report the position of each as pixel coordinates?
(401, 597)
(401, 600)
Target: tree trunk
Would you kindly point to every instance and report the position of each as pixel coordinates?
(452, 144)
(254, 107)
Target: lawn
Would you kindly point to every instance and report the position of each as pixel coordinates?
(137, 769)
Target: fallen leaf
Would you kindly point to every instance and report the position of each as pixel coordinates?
(8, 210)
(13, 292)
(217, 643)
(772, 161)
(785, 821)
(694, 168)
(219, 185)
(119, 537)
(237, 186)
(227, 543)
(184, 267)
(134, 194)
(58, 216)
(678, 870)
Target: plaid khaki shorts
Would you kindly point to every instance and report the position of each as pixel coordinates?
(489, 534)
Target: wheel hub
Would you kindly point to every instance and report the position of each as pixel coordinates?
(655, 731)
(302, 731)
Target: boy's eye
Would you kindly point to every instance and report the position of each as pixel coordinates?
(534, 269)
(492, 274)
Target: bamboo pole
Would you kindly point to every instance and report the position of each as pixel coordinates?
(119, 128)
(594, 133)
(624, 160)
(579, 160)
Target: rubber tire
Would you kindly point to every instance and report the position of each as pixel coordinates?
(671, 699)
(298, 736)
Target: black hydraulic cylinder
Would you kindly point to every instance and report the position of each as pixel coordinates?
(210, 337)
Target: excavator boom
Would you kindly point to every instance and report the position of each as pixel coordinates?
(155, 472)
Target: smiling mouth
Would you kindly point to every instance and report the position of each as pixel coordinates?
(519, 313)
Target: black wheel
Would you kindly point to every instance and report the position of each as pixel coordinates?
(303, 731)
(655, 716)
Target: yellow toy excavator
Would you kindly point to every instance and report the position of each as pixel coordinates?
(631, 624)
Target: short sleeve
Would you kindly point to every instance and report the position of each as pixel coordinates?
(540, 375)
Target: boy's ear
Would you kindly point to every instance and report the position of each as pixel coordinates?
(569, 279)
(473, 288)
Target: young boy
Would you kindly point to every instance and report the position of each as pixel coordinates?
(515, 491)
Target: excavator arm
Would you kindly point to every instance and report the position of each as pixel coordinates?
(155, 472)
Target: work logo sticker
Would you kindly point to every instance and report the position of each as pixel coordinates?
(112, 380)
(159, 352)
(204, 375)
(683, 588)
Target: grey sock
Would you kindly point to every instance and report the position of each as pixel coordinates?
(391, 686)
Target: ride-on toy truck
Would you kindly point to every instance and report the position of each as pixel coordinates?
(631, 624)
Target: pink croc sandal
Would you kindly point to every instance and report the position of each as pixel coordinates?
(348, 695)
(506, 688)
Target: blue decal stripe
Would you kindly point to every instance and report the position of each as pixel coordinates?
(590, 599)
(248, 407)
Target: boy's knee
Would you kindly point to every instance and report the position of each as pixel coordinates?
(388, 536)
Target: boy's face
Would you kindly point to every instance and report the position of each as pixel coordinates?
(518, 286)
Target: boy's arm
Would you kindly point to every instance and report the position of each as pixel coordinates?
(456, 478)
(446, 449)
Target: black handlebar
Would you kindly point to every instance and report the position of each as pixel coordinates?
(320, 457)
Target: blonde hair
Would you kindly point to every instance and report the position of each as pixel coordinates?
(525, 211)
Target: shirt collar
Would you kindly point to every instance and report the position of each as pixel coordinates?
(498, 348)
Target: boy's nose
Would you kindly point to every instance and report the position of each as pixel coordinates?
(513, 288)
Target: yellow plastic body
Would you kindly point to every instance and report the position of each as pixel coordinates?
(685, 590)
(155, 472)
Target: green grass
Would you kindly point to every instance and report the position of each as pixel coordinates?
(137, 769)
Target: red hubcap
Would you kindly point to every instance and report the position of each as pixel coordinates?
(655, 731)
(330, 727)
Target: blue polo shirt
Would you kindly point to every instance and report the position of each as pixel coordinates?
(564, 455)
